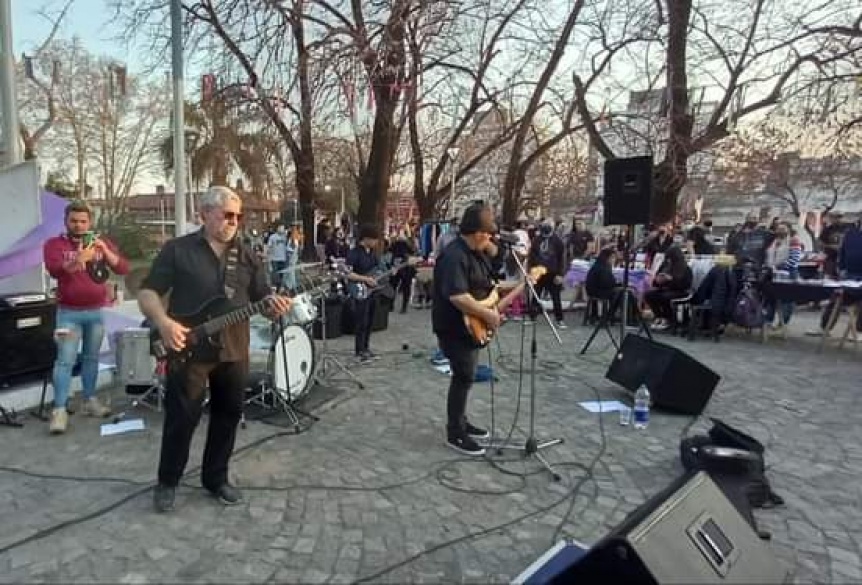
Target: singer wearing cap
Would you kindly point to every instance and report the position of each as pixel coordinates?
(463, 278)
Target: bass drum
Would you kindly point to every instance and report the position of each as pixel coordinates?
(292, 363)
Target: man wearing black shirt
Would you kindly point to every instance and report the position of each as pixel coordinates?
(194, 269)
(363, 263)
(463, 276)
(548, 250)
(402, 281)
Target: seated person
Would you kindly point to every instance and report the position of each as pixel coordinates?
(600, 282)
(673, 281)
(698, 243)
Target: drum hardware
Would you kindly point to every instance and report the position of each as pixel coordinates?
(291, 364)
(136, 368)
(327, 360)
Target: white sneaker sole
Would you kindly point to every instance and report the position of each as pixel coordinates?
(478, 453)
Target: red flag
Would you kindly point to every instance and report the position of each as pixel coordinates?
(208, 83)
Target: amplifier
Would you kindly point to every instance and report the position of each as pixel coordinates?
(26, 335)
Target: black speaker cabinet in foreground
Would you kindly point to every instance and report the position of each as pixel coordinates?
(26, 335)
(689, 533)
(677, 382)
(628, 190)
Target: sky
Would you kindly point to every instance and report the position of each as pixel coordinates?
(87, 19)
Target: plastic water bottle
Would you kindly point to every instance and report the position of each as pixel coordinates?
(641, 410)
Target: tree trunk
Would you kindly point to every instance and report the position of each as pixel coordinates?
(375, 182)
(672, 172)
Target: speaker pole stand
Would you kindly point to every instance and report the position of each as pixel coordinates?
(532, 447)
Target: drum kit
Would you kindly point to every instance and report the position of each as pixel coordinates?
(294, 364)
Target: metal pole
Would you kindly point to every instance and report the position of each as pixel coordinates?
(8, 94)
(179, 119)
(452, 198)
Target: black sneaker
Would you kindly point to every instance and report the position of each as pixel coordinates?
(227, 495)
(476, 432)
(371, 354)
(466, 445)
(163, 498)
(364, 358)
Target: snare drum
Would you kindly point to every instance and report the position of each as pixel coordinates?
(303, 310)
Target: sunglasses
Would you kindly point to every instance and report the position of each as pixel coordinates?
(232, 216)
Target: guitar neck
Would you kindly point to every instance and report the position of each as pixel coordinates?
(215, 325)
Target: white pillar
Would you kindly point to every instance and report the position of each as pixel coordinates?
(179, 119)
(8, 93)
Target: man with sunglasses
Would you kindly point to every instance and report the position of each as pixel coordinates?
(464, 275)
(193, 270)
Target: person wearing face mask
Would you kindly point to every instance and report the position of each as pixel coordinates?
(749, 243)
(402, 281)
(548, 250)
(660, 241)
(784, 253)
(336, 245)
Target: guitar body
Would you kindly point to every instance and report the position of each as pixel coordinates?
(197, 339)
(477, 328)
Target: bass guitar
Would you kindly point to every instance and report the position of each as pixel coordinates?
(478, 329)
(204, 325)
(361, 291)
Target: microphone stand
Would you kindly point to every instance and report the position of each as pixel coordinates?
(532, 447)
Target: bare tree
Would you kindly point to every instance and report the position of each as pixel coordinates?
(747, 56)
(38, 80)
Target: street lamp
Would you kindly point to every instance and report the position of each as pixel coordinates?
(452, 152)
(191, 136)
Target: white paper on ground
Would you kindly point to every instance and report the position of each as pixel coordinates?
(602, 405)
(125, 426)
(443, 369)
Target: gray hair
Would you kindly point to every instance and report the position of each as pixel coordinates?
(216, 197)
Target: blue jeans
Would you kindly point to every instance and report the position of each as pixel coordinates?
(786, 308)
(86, 329)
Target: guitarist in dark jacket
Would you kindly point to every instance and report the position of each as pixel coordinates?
(364, 263)
(463, 278)
(194, 270)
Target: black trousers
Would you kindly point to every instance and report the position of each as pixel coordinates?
(659, 300)
(402, 281)
(463, 359)
(546, 283)
(363, 317)
(186, 385)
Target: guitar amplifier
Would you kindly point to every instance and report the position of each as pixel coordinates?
(27, 322)
(135, 365)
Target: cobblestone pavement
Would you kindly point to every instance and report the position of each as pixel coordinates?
(371, 492)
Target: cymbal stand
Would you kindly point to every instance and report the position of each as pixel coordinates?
(532, 447)
(328, 361)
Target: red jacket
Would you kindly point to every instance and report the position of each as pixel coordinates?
(75, 288)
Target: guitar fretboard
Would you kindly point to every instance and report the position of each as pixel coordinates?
(215, 325)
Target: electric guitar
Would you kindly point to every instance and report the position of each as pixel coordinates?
(361, 291)
(478, 329)
(213, 316)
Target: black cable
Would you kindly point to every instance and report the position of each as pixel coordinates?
(46, 532)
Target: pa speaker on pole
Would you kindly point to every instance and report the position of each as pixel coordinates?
(628, 190)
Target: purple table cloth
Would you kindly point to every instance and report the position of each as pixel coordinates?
(638, 279)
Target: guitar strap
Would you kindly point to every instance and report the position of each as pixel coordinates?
(229, 277)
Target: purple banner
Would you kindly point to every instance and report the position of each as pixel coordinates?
(26, 253)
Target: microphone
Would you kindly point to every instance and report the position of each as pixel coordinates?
(507, 239)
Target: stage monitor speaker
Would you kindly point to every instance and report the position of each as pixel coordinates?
(688, 533)
(628, 190)
(26, 335)
(677, 382)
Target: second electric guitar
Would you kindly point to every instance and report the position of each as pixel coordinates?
(479, 330)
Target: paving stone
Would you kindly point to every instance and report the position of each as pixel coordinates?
(807, 412)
